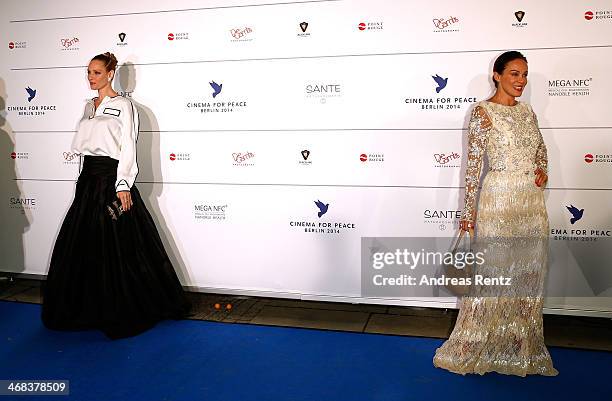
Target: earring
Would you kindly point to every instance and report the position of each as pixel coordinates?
(109, 80)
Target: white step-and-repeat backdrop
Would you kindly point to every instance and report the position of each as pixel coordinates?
(330, 101)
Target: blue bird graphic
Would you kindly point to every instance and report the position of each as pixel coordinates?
(576, 214)
(322, 207)
(216, 87)
(440, 81)
(31, 93)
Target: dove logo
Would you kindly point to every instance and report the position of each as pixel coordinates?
(441, 82)
(576, 213)
(216, 88)
(31, 93)
(322, 208)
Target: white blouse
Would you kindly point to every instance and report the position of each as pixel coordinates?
(110, 130)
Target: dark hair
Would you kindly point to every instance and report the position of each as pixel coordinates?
(500, 63)
(109, 60)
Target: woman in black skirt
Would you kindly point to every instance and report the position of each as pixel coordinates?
(109, 269)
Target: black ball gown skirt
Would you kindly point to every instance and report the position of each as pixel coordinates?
(109, 270)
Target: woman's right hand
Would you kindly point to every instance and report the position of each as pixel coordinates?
(466, 225)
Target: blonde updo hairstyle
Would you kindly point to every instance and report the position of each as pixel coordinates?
(109, 60)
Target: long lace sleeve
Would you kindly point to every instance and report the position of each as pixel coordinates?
(478, 136)
(541, 158)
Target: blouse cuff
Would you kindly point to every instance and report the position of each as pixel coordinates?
(122, 185)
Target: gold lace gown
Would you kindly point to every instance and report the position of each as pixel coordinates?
(500, 330)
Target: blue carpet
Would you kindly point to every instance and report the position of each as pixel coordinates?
(196, 360)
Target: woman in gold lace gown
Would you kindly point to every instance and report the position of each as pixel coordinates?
(501, 330)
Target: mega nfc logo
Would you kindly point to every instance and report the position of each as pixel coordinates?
(598, 15)
(69, 44)
(210, 212)
(323, 91)
(70, 158)
(519, 15)
(17, 45)
(178, 36)
(372, 158)
(304, 159)
(447, 160)
(570, 87)
(22, 204)
(441, 102)
(443, 219)
(243, 159)
(370, 26)
(241, 34)
(31, 109)
(122, 41)
(589, 158)
(323, 223)
(303, 28)
(576, 229)
(216, 101)
(182, 156)
(450, 24)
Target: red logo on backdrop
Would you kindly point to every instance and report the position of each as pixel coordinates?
(11, 45)
(172, 156)
(363, 157)
(362, 26)
(240, 33)
(588, 158)
(13, 155)
(170, 36)
(69, 42)
(588, 15)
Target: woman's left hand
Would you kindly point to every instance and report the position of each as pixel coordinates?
(126, 200)
(541, 177)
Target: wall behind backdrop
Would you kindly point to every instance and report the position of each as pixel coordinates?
(320, 100)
